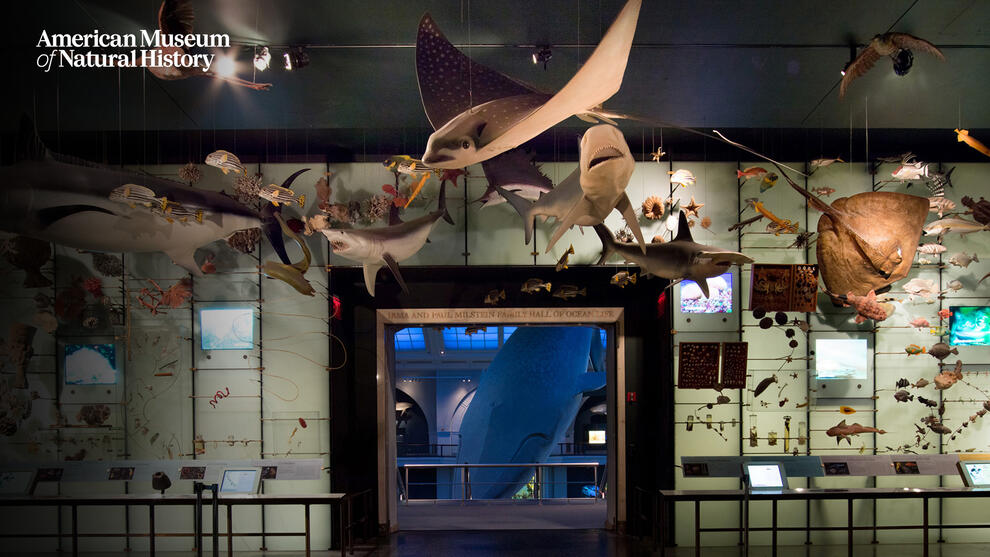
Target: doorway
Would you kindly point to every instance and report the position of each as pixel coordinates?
(586, 463)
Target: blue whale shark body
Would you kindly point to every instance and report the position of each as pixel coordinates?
(525, 402)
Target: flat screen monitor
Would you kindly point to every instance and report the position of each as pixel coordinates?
(975, 473)
(766, 476)
(969, 325)
(840, 358)
(596, 437)
(240, 480)
(16, 482)
(226, 328)
(90, 364)
(693, 300)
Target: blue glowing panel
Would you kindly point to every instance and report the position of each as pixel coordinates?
(969, 325)
(693, 300)
(90, 364)
(507, 332)
(483, 338)
(226, 329)
(410, 338)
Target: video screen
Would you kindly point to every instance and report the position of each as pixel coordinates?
(764, 475)
(269, 472)
(969, 325)
(836, 468)
(16, 483)
(596, 437)
(239, 481)
(226, 329)
(840, 358)
(979, 473)
(693, 300)
(90, 364)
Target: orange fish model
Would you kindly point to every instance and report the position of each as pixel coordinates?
(866, 307)
(779, 226)
(751, 172)
(963, 135)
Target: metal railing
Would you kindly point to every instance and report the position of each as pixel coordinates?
(426, 449)
(569, 449)
(465, 478)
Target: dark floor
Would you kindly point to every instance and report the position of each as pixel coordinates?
(561, 514)
(578, 543)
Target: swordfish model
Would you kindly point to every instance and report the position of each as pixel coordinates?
(374, 248)
(86, 206)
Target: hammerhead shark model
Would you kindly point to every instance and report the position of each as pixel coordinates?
(478, 112)
(680, 258)
(82, 205)
(376, 247)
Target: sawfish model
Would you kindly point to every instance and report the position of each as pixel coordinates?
(375, 247)
(506, 424)
(478, 112)
(588, 194)
(680, 258)
(82, 205)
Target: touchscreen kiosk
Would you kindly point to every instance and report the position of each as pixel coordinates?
(240, 480)
(16, 482)
(975, 473)
(766, 476)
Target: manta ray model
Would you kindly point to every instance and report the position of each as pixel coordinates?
(589, 193)
(82, 205)
(680, 258)
(375, 247)
(478, 112)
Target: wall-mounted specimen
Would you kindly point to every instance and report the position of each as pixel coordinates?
(734, 360)
(946, 379)
(697, 365)
(377, 247)
(867, 307)
(28, 255)
(479, 113)
(780, 287)
(963, 135)
(941, 351)
(679, 258)
(962, 227)
(842, 431)
(18, 349)
(980, 209)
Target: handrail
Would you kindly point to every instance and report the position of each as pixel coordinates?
(466, 474)
(507, 465)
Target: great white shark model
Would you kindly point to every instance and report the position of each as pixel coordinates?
(374, 248)
(591, 192)
(508, 424)
(478, 112)
(680, 258)
(79, 204)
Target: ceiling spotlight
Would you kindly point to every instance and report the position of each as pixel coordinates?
(262, 59)
(296, 57)
(542, 55)
(224, 66)
(903, 61)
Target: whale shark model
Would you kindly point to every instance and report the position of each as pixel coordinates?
(525, 402)
(680, 258)
(86, 206)
(478, 112)
(588, 194)
(375, 247)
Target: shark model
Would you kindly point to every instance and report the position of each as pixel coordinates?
(515, 171)
(589, 193)
(82, 205)
(375, 247)
(680, 258)
(478, 112)
(508, 424)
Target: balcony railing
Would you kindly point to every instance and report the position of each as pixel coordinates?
(542, 488)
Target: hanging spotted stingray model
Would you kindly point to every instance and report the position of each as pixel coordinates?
(479, 113)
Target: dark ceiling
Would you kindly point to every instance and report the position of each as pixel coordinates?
(707, 64)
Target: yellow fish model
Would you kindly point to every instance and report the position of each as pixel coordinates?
(963, 135)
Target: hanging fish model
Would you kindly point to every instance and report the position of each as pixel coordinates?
(841, 431)
(488, 113)
(963, 135)
(515, 171)
(225, 161)
(682, 177)
(963, 259)
(940, 205)
(292, 274)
